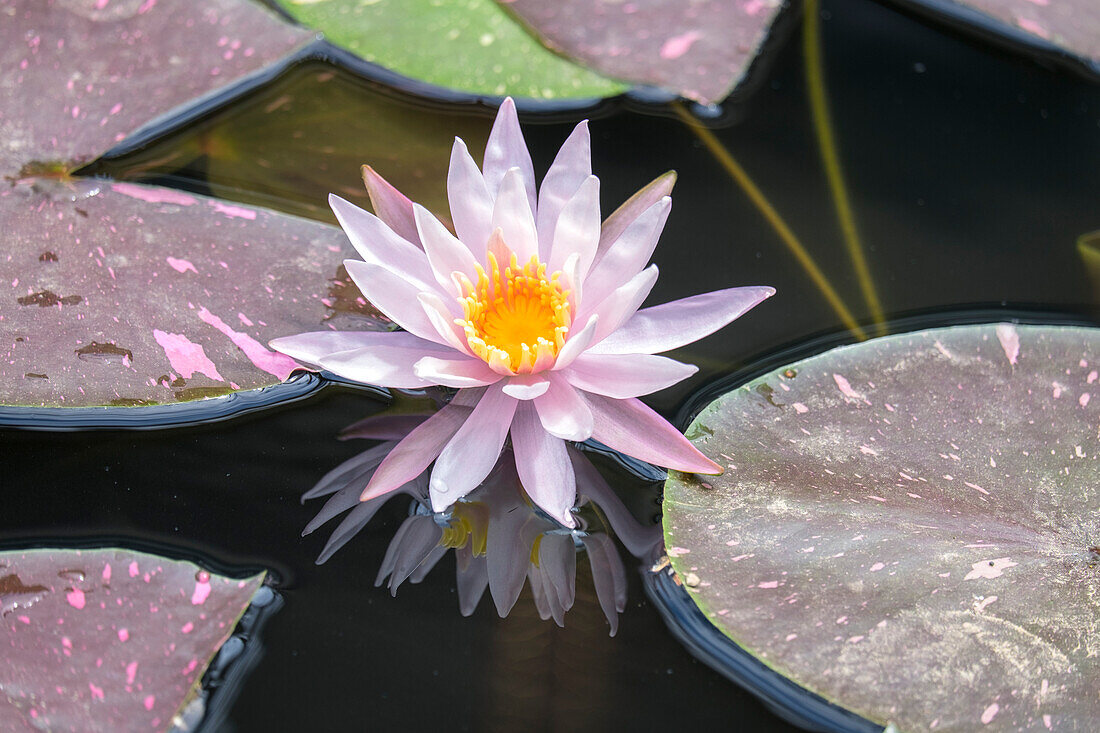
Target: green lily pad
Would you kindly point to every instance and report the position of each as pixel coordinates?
(467, 45)
(118, 294)
(108, 640)
(907, 527)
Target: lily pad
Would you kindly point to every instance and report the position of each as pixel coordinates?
(467, 45)
(66, 97)
(907, 527)
(252, 151)
(698, 50)
(108, 640)
(124, 295)
(1064, 26)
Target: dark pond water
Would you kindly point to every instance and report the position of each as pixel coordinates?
(971, 172)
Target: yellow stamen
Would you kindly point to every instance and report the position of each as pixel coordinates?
(516, 320)
(470, 522)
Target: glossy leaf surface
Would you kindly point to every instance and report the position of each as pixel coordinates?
(80, 75)
(108, 640)
(120, 294)
(700, 50)
(907, 526)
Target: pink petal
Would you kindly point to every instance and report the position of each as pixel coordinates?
(471, 581)
(411, 456)
(558, 561)
(508, 547)
(383, 427)
(618, 307)
(446, 254)
(395, 296)
(348, 472)
(629, 254)
(314, 345)
(473, 451)
(578, 228)
(577, 342)
(371, 357)
(543, 465)
(377, 244)
(526, 386)
(471, 204)
(505, 150)
(625, 375)
(638, 539)
(468, 372)
(391, 206)
(570, 168)
(383, 364)
(630, 427)
(632, 208)
(563, 412)
(512, 215)
(608, 575)
(670, 325)
(443, 320)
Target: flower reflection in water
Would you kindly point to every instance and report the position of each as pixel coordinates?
(500, 538)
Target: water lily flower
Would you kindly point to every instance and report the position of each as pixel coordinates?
(530, 309)
(499, 539)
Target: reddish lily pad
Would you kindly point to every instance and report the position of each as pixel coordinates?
(907, 527)
(699, 50)
(108, 640)
(1071, 26)
(66, 97)
(125, 295)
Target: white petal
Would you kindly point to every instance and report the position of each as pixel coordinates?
(377, 244)
(526, 386)
(624, 302)
(505, 150)
(461, 373)
(578, 229)
(471, 204)
(543, 465)
(570, 168)
(625, 375)
(628, 255)
(445, 253)
(512, 214)
(395, 296)
(474, 449)
(563, 412)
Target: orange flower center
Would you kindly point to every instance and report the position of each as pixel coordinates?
(516, 319)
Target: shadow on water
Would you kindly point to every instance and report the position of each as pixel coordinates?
(970, 174)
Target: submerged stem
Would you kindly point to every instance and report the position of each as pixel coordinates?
(819, 111)
(741, 178)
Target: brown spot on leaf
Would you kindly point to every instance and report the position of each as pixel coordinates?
(47, 257)
(179, 382)
(105, 352)
(11, 584)
(130, 402)
(48, 299)
(32, 375)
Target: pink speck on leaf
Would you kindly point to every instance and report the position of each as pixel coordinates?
(278, 365)
(123, 635)
(800, 408)
(238, 212)
(187, 628)
(134, 569)
(1010, 341)
(131, 672)
(677, 46)
(75, 597)
(989, 713)
(107, 573)
(1031, 26)
(990, 568)
(185, 356)
(149, 701)
(153, 195)
(181, 265)
(202, 592)
(768, 584)
(97, 692)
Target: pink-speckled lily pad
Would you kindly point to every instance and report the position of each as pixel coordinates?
(122, 294)
(700, 50)
(108, 640)
(1073, 26)
(80, 75)
(908, 526)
